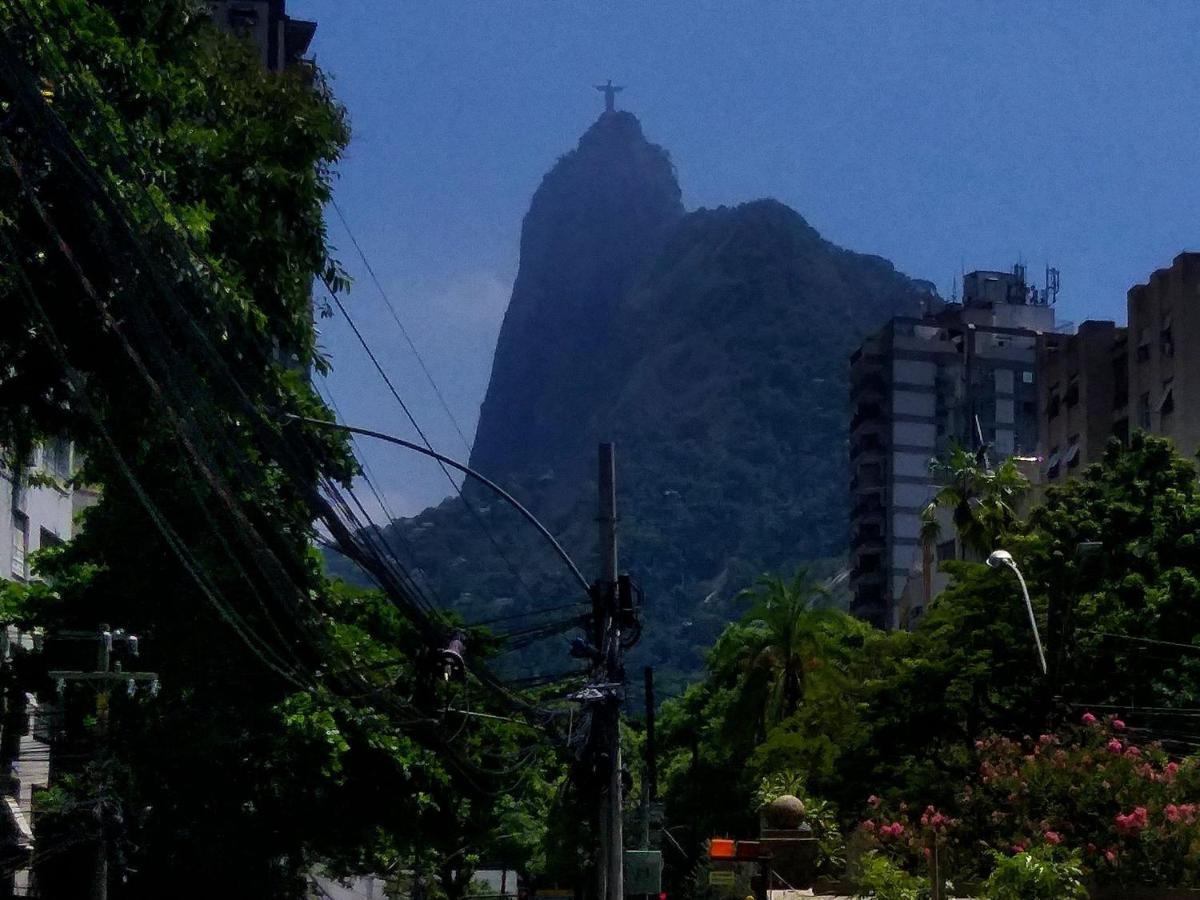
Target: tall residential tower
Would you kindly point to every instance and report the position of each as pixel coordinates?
(961, 374)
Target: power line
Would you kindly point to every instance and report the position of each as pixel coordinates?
(340, 531)
(395, 317)
(474, 513)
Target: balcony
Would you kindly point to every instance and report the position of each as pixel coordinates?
(867, 537)
(871, 383)
(866, 412)
(868, 444)
(870, 505)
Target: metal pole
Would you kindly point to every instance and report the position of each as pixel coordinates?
(1032, 620)
(651, 749)
(612, 829)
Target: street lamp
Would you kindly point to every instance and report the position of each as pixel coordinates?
(1004, 558)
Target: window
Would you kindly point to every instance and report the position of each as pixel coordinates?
(1052, 463)
(945, 551)
(243, 18)
(1120, 381)
(1166, 404)
(56, 459)
(1121, 431)
(1027, 376)
(1144, 411)
(1072, 457)
(20, 544)
(1052, 403)
(1166, 342)
(1072, 396)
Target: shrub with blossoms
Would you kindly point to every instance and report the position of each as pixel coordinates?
(1129, 809)
(909, 837)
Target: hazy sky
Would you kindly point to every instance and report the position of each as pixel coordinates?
(941, 135)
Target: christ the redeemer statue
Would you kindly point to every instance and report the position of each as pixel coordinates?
(610, 92)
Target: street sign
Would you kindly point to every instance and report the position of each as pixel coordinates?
(721, 878)
(643, 871)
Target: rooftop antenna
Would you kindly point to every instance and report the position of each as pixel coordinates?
(1053, 283)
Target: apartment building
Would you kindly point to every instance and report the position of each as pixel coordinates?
(964, 373)
(1084, 399)
(37, 514)
(281, 40)
(1109, 381)
(1164, 365)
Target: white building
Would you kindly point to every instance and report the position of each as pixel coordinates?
(36, 510)
(962, 373)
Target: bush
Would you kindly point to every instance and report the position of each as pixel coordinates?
(883, 879)
(1038, 874)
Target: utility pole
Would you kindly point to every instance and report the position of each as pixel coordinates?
(650, 771)
(104, 677)
(610, 865)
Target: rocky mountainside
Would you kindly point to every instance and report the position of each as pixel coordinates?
(711, 347)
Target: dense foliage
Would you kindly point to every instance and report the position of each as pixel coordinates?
(160, 229)
(921, 739)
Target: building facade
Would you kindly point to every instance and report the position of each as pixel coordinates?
(37, 514)
(1084, 399)
(1164, 340)
(281, 40)
(962, 374)
(1108, 381)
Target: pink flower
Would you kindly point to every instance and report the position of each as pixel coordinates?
(1089, 719)
(873, 801)
(1113, 746)
(1110, 855)
(1118, 725)
(1052, 837)
(1132, 823)
(868, 826)
(1018, 847)
(1133, 752)
(1171, 811)
(927, 853)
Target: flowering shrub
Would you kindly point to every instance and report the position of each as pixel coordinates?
(908, 838)
(1129, 811)
(1124, 807)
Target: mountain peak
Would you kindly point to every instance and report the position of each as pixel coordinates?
(598, 215)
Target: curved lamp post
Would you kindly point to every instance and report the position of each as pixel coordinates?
(1004, 558)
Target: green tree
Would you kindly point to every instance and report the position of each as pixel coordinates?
(161, 226)
(982, 501)
(778, 642)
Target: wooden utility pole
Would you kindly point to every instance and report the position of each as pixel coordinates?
(104, 678)
(610, 865)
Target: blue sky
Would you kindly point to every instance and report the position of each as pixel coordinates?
(942, 135)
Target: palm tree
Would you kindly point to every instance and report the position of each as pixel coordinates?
(982, 500)
(779, 641)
